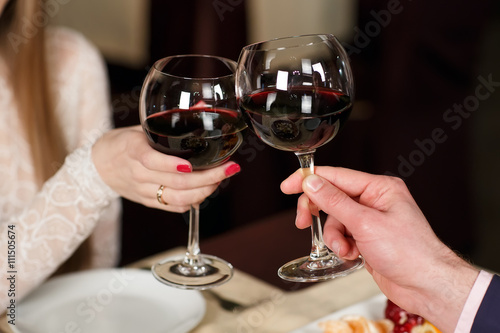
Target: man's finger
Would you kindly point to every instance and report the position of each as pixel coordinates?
(333, 201)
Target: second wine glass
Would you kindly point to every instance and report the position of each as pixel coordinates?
(296, 93)
(188, 109)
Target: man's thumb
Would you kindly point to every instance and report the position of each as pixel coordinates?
(328, 198)
(312, 183)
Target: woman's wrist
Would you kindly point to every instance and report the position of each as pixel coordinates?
(89, 177)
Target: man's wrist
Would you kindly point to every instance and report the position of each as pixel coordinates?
(448, 293)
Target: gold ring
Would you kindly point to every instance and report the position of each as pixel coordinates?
(159, 194)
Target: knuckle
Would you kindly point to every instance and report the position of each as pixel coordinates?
(336, 199)
(215, 177)
(208, 190)
(179, 182)
(396, 182)
(137, 174)
(145, 159)
(180, 199)
(382, 189)
(396, 186)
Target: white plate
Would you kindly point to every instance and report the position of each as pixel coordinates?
(372, 308)
(109, 300)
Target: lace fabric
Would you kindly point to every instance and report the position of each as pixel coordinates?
(75, 204)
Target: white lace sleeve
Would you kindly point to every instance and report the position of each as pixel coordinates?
(49, 224)
(55, 222)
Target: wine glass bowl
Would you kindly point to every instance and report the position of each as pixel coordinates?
(190, 112)
(188, 109)
(284, 125)
(296, 93)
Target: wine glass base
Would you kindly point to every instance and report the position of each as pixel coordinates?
(175, 272)
(306, 270)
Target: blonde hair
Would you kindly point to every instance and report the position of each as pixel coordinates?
(32, 90)
(29, 77)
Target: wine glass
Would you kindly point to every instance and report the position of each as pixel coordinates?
(188, 109)
(296, 94)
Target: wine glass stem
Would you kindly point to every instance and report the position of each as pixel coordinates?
(193, 248)
(318, 248)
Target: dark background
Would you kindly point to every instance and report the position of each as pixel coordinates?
(412, 71)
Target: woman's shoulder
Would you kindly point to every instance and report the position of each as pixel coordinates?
(67, 45)
(78, 79)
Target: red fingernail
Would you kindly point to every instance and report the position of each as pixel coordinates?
(184, 168)
(232, 169)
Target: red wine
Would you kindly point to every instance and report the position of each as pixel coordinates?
(300, 119)
(206, 137)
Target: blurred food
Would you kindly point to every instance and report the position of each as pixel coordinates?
(397, 320)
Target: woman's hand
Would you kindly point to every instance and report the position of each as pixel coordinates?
(377, 217)
(128, 164)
